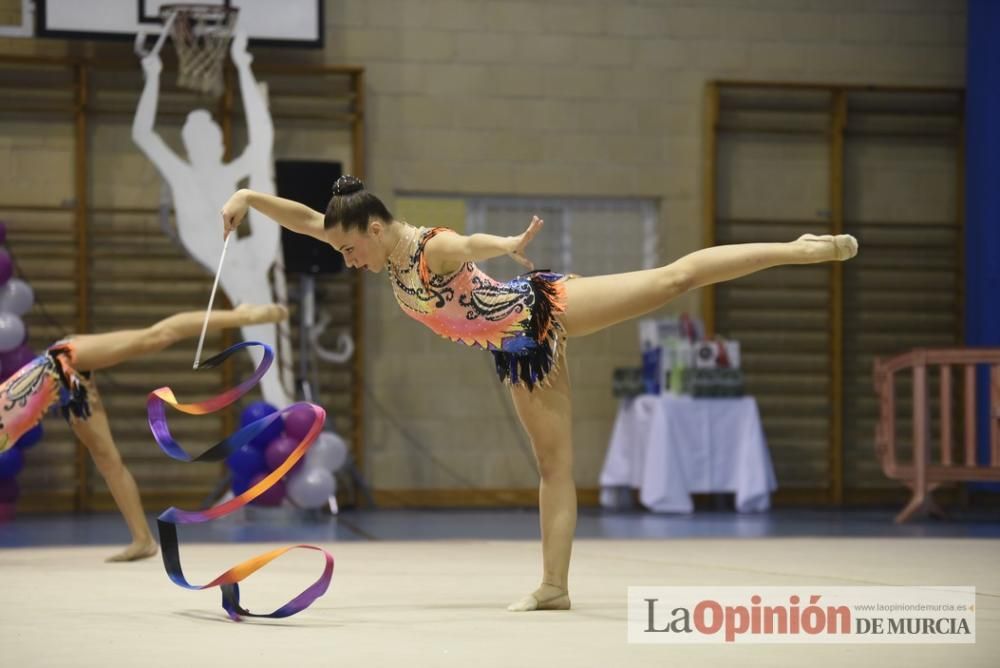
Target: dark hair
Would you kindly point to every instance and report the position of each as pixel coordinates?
(352, 207)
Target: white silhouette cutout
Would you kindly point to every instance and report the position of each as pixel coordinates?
(203, 183)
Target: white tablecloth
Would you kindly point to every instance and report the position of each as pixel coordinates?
(669, 447)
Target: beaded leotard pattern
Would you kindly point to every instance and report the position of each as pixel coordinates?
(515, 320)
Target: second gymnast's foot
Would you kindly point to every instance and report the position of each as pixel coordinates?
(136, 551)
(546, 597)
(261, 313)
(828, 247)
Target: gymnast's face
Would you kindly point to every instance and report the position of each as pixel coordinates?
(361, 250)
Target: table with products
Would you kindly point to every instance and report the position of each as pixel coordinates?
(669, 447)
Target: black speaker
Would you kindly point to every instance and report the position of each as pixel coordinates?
(308, 182)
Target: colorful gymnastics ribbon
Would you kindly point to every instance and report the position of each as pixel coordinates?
(167, 521)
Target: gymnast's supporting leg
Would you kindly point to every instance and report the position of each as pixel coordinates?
(95, 433)
(593, 303)
(99, 351)
(546, 414)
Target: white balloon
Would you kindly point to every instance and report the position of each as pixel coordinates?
(11, 332)
(310, 487)
(328, 452)
(16, 297)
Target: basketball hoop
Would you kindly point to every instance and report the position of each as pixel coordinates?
(201, 35)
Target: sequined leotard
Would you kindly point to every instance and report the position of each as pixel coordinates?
(516, 320)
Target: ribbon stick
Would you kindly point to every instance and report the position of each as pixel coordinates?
(167, 522)
(211, 300)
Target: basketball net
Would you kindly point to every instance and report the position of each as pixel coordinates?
(201, 35)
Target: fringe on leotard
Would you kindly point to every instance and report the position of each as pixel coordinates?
(74, 401)
(532, 365)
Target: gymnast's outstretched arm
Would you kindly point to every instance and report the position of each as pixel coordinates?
(451, 250)
(291, 215)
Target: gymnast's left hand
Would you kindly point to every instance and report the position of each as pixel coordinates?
(521, 241)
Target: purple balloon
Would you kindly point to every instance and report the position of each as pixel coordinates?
(272, 497)
(9, 490)
(299, 421)
(7, 512)
(11, 462)
(6, 266)
(278, 450)
(12, 360)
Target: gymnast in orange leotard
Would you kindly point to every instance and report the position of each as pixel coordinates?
(516, 320)
(524, 322)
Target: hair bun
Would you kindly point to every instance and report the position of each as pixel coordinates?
(346, 185)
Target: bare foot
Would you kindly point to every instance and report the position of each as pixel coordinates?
(546, 597)
(828, 247)
(257, 314)
(135, 552)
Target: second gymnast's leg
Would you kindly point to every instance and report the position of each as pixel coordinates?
(95, 433)
(99, 351)
(596, 302)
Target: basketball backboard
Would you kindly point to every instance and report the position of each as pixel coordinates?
(287, 23)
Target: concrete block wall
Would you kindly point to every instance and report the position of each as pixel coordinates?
(562, 98)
